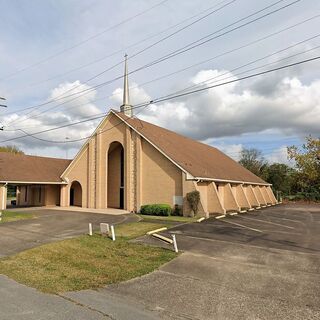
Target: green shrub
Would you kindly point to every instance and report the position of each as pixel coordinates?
(177, 210)
(156, 209)
(193, 199)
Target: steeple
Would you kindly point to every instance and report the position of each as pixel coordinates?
(126, 108)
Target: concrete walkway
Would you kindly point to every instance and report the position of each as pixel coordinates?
(111, 211)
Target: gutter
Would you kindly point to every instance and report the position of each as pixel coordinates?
(33, 182)
(231, 181)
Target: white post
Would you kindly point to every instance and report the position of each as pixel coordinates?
(113, 235)
(90, 229)
(175, 243)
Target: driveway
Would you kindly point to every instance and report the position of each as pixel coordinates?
(48, 226)
(261, 265)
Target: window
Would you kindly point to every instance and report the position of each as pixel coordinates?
(40, 194)
(26, 194)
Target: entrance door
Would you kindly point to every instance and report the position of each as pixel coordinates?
(121, 197)
(71, 197)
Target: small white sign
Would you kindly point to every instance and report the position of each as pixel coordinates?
(104, 228)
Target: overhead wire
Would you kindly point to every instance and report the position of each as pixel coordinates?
(85, 40)
(82, 92)
(237, 68)
(162, 99)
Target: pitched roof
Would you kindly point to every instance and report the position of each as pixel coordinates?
(196, 158)
(25, 168)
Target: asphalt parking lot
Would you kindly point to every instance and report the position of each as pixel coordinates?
(48, 226)
(259, 265)
(263, 265)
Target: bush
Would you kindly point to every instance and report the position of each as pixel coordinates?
(177, 210)
(156, 209)
(193, 199)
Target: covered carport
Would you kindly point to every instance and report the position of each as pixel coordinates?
(36, 179)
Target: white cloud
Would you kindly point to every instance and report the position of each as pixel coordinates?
(71, 111)
(279, 155)
(292, 108)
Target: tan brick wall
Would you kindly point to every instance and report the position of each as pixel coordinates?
(161, 179)
(52, 195)
(79, 172)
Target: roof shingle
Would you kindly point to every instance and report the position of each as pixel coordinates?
(199, 159)
(25, 168)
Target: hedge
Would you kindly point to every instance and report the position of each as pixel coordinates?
(156, 209)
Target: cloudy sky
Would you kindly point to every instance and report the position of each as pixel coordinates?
(61, 62)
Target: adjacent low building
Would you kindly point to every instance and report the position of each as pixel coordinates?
(127, 163)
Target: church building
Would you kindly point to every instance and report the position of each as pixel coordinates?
(127, 163)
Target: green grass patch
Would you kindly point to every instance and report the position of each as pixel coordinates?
(86, 262)
(136, 229)
(8, 216)
(168, 218)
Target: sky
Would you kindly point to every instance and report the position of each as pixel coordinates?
(61, 62)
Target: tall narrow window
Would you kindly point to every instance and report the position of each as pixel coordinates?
(40, 194)
(26, 194)
(122, 168)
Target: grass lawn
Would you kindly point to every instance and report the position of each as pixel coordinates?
(8, 216)
(170, 218)
(86, 262)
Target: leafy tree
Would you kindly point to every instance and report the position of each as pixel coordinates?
(253, 160)
(281, 176)
(307, 162)
(12, 149)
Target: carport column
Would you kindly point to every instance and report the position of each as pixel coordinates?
(3, 196)
(64, 196)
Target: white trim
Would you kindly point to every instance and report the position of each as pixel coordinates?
(232, 181)
(33, 182)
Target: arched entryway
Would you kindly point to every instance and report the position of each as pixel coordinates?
(76, 194)
(116, 176)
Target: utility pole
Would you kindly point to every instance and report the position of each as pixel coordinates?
(3, 105)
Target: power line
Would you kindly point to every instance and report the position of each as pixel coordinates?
(63, 96)
(129, 46)
(162, 99)
(83, 92)
(234, 69)
(84, 41)
(198, 42)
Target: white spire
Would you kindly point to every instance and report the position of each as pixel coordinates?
(126, 108)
